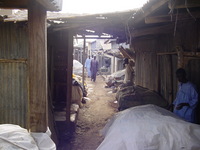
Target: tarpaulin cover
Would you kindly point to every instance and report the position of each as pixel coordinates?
(149, 127)
(13, 137)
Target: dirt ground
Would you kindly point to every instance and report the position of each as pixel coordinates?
(93, 115)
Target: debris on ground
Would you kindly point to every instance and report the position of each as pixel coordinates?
(115, 79)
(92, 117)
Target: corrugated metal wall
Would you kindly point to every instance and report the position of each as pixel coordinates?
(146, 59)
(157, 72)
(13, 72)
(146, 70)
(193, 72)
(167, 84)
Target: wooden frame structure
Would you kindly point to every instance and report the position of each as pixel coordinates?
(37, 100)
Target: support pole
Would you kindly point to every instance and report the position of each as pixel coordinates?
(69, 47)
(37, 67)
(83, 60)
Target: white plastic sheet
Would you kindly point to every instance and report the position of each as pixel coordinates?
(115, 77)
(77, 67)
(13, 137)
(44, 141)
(149, 127)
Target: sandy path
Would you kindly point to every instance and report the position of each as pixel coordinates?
(93, 116)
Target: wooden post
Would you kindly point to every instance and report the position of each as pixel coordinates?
(83, 60)
(171, 94)
(37, 67)
(158, 74)
(113, 64)
(69, 37)
(180, 57)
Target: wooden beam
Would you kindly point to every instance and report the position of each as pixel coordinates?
(126, 54)
(149, 11)
(22, 60)
(167, 53)
(171, 18)
(182, 4)
(95, 37)
(185, 54)
(37, 67)
(165, 29)
(13, 4)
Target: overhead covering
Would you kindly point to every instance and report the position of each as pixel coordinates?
(124, 26)
(51, 5)
(114, 24)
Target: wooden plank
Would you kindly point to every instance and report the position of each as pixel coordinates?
(171, 18)
(150, 11)
(167, 53)
(126, 54)
(183, 4)
(165, 29)
(37, 67)
(185, 54)
(22, 60)
(192, 54)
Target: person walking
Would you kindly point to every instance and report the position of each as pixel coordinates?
(87, 66)
(94, 68)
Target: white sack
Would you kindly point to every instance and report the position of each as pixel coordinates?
(44, 141)
(77, 67)
(118, 74)
(13, 137)
(149, 127)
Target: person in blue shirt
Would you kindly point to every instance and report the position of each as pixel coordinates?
(186, 98)
(87, 66)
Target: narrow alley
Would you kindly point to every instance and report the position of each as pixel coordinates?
(93, 115)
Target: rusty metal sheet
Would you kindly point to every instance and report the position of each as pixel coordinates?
(13, 72)
(13, 93)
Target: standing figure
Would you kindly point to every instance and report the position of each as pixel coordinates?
(87, 66)
(186, 98)
(129, 70)
(94, 68)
